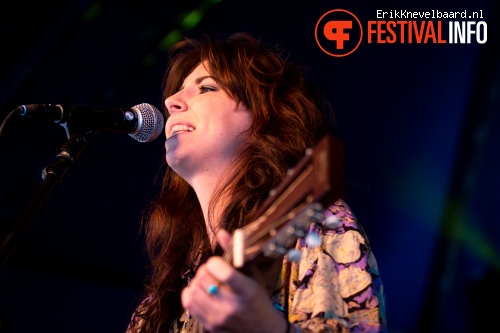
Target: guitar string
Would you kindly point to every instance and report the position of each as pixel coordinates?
(281, 198)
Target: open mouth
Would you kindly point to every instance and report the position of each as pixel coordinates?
(178, 128)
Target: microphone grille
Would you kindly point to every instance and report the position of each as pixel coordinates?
(150, 123)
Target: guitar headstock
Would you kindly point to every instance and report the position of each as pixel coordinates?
(316, 181)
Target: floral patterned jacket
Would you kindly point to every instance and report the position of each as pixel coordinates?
(332, 288)
(335, 287)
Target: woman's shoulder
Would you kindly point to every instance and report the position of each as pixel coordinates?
(339, 218)
(342, 236)
(342, 211)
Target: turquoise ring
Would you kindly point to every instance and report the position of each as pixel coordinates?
(212, 289)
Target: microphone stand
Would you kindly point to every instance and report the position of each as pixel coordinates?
(51, 175)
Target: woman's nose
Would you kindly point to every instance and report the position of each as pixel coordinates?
(175, 103)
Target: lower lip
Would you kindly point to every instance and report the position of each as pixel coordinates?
(178, 133)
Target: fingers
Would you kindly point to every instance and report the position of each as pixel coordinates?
(201, 298)
(211, 307)
(236, 296)
(204, 284)
(223, 238)
(218, 279)
(229, 277)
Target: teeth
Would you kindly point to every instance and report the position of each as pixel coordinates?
(178, 128)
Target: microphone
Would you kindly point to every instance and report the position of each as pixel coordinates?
(143, 122)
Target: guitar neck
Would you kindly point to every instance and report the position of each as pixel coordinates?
(318, 178)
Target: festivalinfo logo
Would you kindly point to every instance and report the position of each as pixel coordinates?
(339, 32)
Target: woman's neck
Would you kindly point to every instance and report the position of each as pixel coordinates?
(205, 189)
(206, 181)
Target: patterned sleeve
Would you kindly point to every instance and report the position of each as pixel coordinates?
(336, 287)
(136, 322)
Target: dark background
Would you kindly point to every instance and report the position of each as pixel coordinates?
(419, 122)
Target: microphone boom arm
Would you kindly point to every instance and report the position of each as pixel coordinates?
(51, 176)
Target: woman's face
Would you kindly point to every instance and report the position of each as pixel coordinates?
(206, 130)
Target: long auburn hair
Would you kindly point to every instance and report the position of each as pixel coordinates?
(288, 117)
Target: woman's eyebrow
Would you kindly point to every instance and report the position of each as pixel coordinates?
(199, 80)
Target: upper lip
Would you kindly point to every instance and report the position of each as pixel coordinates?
(178, 122)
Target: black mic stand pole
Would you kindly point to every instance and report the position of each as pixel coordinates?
(51, 175)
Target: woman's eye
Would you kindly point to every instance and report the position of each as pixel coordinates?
(204, 89)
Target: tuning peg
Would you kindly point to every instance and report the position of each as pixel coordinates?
(289, 173)
(274, 248)
(315, 212)
(296, 231)
(293, 255)
(332, 222)
(313, 239)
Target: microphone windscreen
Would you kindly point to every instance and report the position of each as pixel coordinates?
(150, 122)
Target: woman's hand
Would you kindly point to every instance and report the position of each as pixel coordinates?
(238, 305)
